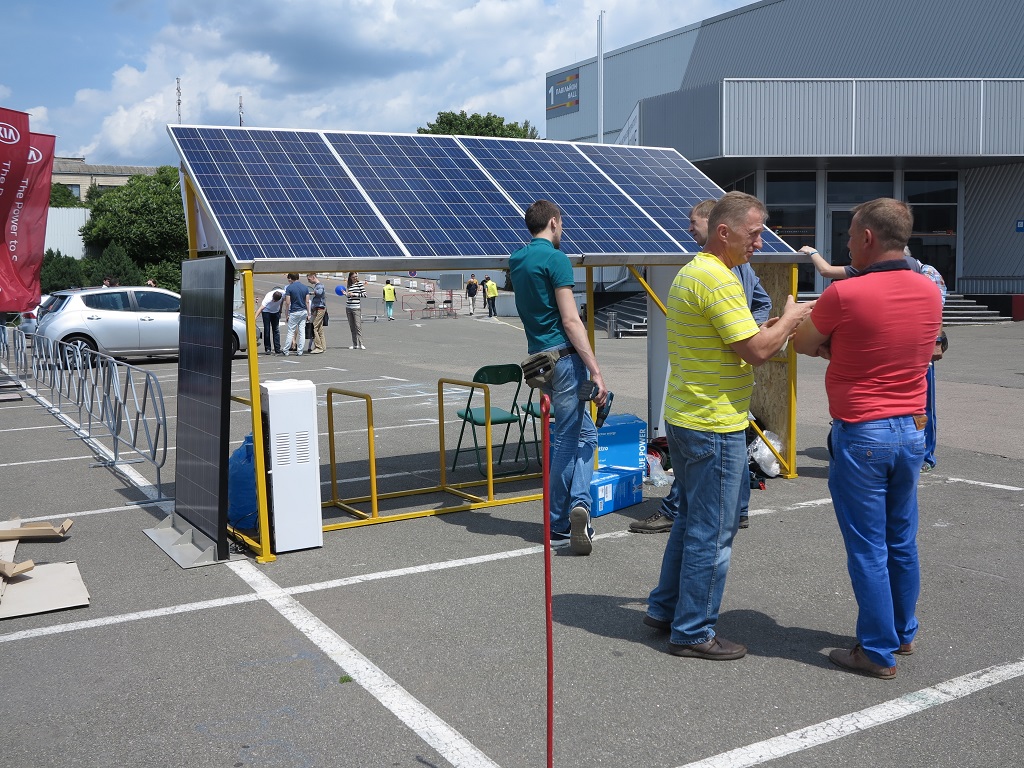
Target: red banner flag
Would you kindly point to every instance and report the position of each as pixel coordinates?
(14, 148)
(26, 223)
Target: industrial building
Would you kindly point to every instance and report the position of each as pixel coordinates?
(815, 107)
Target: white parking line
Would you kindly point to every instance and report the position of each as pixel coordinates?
(448, 742)
(984, 485)
(856, 722)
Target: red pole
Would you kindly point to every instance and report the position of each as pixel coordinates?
(545, 414)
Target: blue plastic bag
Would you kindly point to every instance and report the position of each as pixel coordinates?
(242, 486)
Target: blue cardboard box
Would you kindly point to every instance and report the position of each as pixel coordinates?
(622, 442)
(615, 488)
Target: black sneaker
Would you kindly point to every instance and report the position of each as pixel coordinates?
(744, 521)
(581, 539)
(656, 523)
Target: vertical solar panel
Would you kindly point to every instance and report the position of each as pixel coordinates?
(432, 194)
(666, 185)
(281, 195)
(597, 217)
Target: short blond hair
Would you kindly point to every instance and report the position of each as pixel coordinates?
(733, 208)
(702, 209)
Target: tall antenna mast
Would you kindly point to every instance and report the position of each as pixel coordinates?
(241, 111)
(177, 80)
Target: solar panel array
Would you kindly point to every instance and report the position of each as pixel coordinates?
(292, 195)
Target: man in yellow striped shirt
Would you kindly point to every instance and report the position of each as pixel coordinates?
(713, 344)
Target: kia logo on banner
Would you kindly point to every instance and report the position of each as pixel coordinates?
(9, 134)
(34, 155)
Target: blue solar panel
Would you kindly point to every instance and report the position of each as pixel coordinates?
(434, 197)
(667, 186)
(281, 195)
(597, 217)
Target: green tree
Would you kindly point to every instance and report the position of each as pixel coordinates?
(461, 124)
(144, 217)
(61, 196)
(114, 262)
(59, 271)
(167, 275)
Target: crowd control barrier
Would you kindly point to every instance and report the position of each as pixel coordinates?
(107, 399)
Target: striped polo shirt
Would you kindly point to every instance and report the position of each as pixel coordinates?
(709, 384)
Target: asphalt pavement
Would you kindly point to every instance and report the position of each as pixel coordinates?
(421, 642)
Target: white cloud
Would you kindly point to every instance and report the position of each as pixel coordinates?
(381, 65)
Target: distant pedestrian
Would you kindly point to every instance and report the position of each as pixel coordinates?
(152, 283)
(107, 281)
(472, 287)
(270, 310)
(296, 307)
(353, 309)
(318, 308)
(492, 296)
(389, 300)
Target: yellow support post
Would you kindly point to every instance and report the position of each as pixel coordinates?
(263, 551)
(190, 223)
(789, 465)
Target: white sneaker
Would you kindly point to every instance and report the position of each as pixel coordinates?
(351, 347)
(361, 346)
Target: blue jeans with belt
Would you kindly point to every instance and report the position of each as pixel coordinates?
(573, 442)
(709, 469)
(873, 480)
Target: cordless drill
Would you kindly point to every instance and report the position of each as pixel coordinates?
(588, 391)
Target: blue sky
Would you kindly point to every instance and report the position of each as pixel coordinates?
(101, 74)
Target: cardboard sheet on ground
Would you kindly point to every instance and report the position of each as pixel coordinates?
(47, 587)
(13, 530)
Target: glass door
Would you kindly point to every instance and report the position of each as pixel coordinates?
(837, 251)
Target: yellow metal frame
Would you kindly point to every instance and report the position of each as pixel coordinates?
(787, 463)
(472, 501)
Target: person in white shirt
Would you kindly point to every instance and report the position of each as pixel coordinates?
(270, 309)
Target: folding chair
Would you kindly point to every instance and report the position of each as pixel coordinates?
(430, 309)
(494, 376)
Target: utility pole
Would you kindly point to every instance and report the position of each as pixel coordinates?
(241, 112)
(177, 81)
(600, 78)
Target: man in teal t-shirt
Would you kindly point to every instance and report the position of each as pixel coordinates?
(543, 281)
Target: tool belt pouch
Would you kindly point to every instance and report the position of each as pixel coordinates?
(539, 369)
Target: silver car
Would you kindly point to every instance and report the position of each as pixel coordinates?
(122, 321)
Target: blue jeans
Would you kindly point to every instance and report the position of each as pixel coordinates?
(389, 307)
(710, 468)
(932, 427)
(573, 443)
(271, 330)
(296, 330)
(670, 504)
(873, 479)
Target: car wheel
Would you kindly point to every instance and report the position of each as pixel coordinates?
(234, 345)
(83, 343)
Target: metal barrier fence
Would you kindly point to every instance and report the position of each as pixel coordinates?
(109, 399)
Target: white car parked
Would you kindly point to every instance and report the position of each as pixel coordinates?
(122, 321)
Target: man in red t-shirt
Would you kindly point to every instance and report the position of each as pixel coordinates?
(877, 332)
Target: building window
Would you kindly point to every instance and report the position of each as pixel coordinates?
(76, 190)
(932, 197)
(746, 184)
(789, 198)
(855, 187)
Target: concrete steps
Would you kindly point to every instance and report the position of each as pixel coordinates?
(957, 311)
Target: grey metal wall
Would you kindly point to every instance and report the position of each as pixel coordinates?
(993, 258)
(784, 118)
(1003, 132)
(907, 118)
(62, 225)
(689, 121)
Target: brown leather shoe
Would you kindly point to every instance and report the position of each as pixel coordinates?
(855, 660)
(905, 649)
(716, 649)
